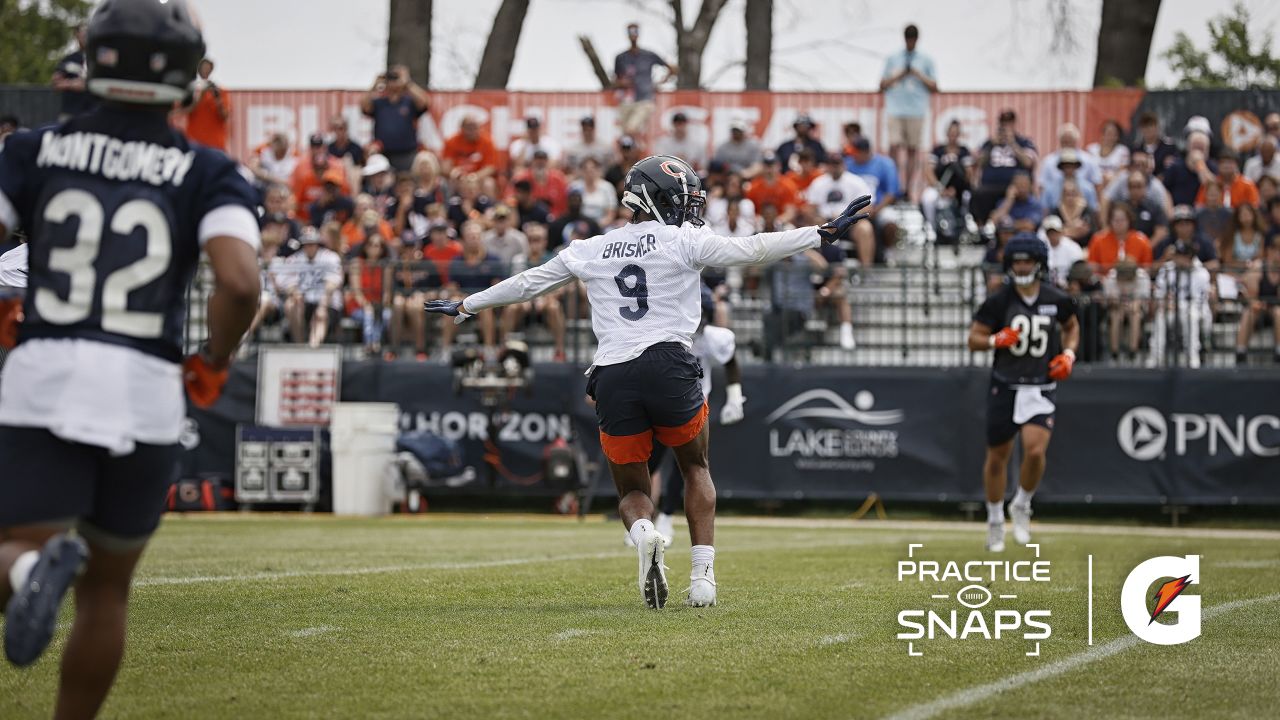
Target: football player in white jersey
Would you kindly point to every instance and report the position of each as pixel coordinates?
(643, 283)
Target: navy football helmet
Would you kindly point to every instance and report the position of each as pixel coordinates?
(1026, 246)
(666, 188)
(143, 51)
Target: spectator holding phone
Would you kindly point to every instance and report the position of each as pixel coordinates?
(208, 110)
(395, 102)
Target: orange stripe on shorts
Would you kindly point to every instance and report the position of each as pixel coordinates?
(677, 436)
(623, 449)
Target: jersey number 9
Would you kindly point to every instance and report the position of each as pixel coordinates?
(638, 288)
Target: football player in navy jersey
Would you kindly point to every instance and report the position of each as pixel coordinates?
(1032, 327)
(117, 207)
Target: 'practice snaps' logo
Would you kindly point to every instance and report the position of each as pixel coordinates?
(1169, 598)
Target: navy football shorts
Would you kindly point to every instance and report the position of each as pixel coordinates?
(658, 395)
(1000, 425)
(113, 500)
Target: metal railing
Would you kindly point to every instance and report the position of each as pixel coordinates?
(901, 316)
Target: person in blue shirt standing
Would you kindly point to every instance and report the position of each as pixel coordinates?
(881, 175)
(395, 102)
(907, 82)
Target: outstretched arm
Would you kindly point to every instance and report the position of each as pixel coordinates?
(764, 248)
(531, 283)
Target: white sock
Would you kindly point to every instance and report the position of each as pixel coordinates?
(20, 571)
(995, 512)
(1022, 498)
(704, 555)
(641, 528)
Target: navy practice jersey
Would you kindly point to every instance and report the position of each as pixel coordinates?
(112, 202)
(1039, 325)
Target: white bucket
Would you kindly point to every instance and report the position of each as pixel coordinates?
(363, 442)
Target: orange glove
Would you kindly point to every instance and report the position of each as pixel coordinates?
(1060, 366)
(1006, 338)
(10, 317)
(204, 379)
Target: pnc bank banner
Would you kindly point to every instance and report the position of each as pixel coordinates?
(1121, 436)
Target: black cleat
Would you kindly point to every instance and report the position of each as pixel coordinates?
(32, 613)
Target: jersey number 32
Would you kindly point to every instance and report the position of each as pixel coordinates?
(77, 262)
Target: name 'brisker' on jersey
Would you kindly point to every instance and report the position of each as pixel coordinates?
(644, 284)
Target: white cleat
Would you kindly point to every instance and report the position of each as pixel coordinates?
(702, 586)
(995, 537)
(1021, 516)
(665, 524)
(653, 574)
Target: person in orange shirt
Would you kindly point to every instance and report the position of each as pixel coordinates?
(469, 152)
(1239, 189)
(1119, 241)
(209, 112)
(807, 170)
(771, 187)
(363, 224)
(308, 177)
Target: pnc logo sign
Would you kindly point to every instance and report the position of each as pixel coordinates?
(1144, 433)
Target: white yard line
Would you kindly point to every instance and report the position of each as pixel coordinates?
(978, 693)
(284, 574)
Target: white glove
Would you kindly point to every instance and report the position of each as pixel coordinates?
(732, 411)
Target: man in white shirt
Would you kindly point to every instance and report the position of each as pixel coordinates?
(644, 284)
(314, 280)
(589, 146)
(1063, 251)
(1266, 162)
(831, 191)
(682, 144)
(522, 149)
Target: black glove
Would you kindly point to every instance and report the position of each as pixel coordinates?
(835, 228)
(452, 308)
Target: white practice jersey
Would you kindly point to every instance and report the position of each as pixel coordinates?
(13, 268)
(643, 280)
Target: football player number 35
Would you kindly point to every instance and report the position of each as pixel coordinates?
(77, 263)
(632, 283)
(1033, 335)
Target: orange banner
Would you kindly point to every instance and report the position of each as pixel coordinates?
(298, 113)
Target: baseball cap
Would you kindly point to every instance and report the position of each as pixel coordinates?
(626, 142)
(310, 237)
(802, 119)
(862, 144)
(1008, 115)
(587, 120)
(377, 163)
(1198, 123)
(317, 140)
(1006, 224)
(1068, 156)
(502, 211)
(275, 219)
(532, 122)
(679, 118)
(1183, 212)
(739, 125)
(769, 158)
(1051, 222)
(540, 154)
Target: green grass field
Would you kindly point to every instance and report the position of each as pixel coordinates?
(522, 617)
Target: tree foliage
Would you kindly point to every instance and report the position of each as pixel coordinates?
(35, 34)
(1238, 56)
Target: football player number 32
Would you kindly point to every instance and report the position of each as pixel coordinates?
(1033, 335)
(632, 283)
(77, 263)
